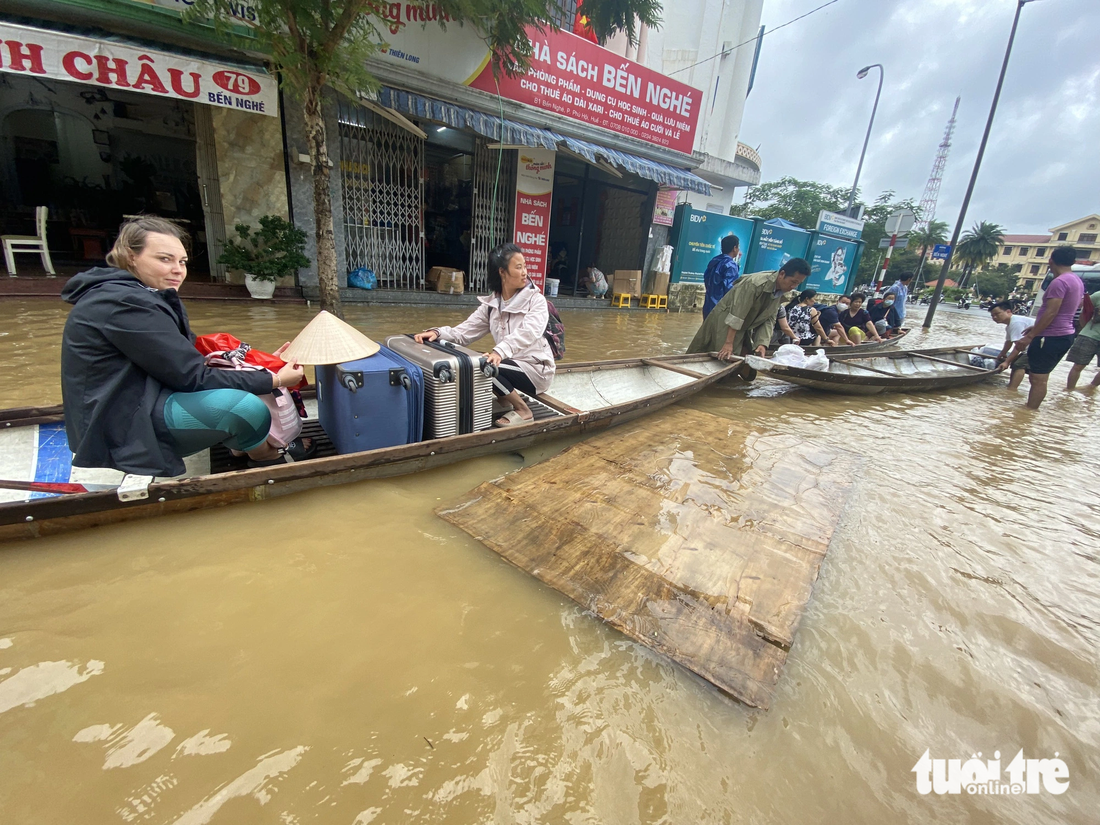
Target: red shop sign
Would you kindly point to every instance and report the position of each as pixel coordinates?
(572, 77)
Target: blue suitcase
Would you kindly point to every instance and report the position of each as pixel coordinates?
(371, 403)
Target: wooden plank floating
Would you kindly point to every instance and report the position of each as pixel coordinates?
(690, 533)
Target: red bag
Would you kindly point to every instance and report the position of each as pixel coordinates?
(1088, 311)
(235, 350)
(223, 351)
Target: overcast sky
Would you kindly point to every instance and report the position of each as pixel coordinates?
(808, 113)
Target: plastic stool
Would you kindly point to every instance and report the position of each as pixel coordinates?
(621, 299)
(655, 302)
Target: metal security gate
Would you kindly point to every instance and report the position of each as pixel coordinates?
(382, 178)
(482, 241)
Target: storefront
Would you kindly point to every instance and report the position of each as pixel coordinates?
(435, 171)
(96, 129)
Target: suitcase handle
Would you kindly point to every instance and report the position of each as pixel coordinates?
(487, 369)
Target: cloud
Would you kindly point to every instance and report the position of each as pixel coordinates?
(808, 113)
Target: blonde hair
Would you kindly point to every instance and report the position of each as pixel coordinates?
(132, 234)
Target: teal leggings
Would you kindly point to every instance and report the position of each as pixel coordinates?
(199, 420)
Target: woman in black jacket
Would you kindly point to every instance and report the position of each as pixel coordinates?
(138, 396)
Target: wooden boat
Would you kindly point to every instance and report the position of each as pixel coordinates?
(43, 494)
(866, 346)
(871, 373)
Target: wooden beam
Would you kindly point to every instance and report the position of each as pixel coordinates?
(650, 362)
(869, 369)
(949, 363)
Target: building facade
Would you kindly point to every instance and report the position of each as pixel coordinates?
(1032, 252)
(581, 161)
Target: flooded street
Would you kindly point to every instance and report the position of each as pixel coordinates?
(345, 656)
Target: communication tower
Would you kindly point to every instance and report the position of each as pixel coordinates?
(932, 188)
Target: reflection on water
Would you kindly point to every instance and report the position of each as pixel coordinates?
(343, 656)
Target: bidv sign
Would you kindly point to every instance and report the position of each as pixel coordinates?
(953, 776)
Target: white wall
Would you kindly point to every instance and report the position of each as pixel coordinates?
(692, 31)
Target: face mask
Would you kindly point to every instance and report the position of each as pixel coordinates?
(888, 303)
(842, 307)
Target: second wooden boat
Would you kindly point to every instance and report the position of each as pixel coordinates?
(872, 373)
(866, 346)
(41, 493)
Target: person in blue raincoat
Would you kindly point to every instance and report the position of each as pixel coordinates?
(721, 273)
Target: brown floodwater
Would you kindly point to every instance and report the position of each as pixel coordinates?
(344, 656)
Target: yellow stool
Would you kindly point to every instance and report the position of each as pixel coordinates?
(654, 302)
(621, 299)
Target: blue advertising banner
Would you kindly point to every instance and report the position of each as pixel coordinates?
(832, 265)
(775, 245)
(697, 238)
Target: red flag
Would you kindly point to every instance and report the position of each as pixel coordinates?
(581, 26)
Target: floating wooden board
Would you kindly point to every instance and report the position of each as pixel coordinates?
(690, 533)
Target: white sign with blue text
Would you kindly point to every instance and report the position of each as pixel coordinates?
(839, 226)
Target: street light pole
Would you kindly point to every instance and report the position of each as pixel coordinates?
(862, 73)
(974, 174)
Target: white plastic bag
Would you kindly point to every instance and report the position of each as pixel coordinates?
(664, 260)
(790, 355)
(818, 361)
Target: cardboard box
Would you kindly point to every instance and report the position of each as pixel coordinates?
(450, 282)
(432, 278)
(628, 281)
(660, 283)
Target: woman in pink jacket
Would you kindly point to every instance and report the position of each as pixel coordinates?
(515, 314)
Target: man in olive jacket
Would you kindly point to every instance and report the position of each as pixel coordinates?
(744, 319)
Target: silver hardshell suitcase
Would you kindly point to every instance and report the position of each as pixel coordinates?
(458, 385)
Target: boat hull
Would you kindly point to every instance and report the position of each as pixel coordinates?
(57, 514)
(871, 374)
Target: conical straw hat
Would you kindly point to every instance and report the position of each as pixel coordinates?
(328, 340)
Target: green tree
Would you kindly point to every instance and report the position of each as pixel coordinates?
(979, 246)
(317, 43)
(874, 230)
(798, 201)
(1000, 281)
(935, 232)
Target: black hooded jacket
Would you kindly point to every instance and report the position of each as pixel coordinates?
(126, 348)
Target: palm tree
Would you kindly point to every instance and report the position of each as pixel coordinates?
(979, 246)
(934, 232)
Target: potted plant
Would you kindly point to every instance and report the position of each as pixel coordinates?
(274, 250)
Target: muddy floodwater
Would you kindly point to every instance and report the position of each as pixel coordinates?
(344, 656)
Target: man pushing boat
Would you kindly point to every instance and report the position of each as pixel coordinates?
(744, 319)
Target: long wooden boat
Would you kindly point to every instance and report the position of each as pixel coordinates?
(866, 346)
(41, 493)
(871, 373)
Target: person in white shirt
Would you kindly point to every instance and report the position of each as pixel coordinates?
(1012, 357)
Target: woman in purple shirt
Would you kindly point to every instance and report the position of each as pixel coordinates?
(1050, 339)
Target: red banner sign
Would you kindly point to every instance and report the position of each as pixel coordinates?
(575, 78)
(534, 192)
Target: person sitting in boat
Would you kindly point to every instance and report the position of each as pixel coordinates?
(782, 334)
(829, 318)
(803, 318)
(885, 314)
(515, 314)
(856, 320)
(744, 319)
(138, 396)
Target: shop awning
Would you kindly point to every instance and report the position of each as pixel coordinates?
(510, 132)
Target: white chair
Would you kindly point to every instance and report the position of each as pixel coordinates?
(29, 243)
